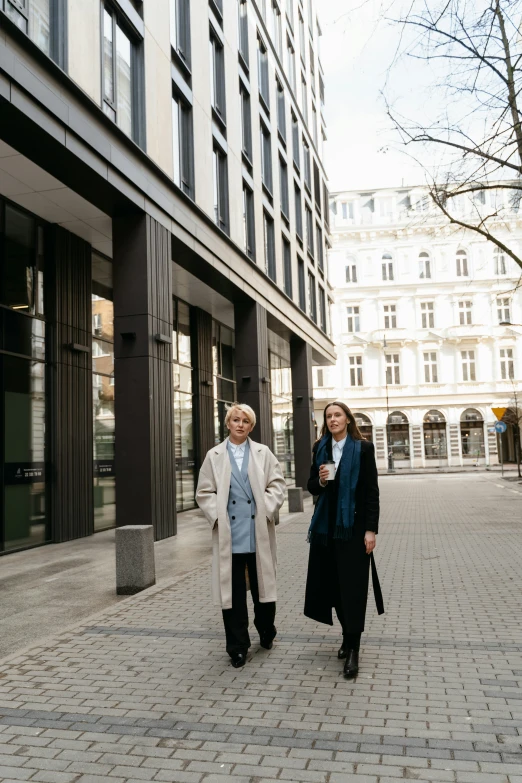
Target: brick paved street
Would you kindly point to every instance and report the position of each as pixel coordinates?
(144, 691)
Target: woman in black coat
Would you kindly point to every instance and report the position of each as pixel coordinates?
(343, 529)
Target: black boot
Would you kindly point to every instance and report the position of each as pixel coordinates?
(351, 664)
(266, 639)
(343, 651)
(238, 659)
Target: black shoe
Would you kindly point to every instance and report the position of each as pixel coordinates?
(238, 660)
(343, 652)
(351, 665)
(267, 639)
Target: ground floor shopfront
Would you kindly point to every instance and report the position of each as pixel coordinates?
(449, 436)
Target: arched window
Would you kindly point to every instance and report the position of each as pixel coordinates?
(351, 270)
(462, 263)
(387, 266)
(365, 425)
(472, 434)
(424, 265)
(499, 261)
(435, 440)
(398, 436)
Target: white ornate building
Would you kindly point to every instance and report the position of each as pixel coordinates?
(427, 320)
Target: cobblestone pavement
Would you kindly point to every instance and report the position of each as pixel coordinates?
(144, 692)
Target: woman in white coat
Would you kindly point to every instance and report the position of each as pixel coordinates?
(240, 490)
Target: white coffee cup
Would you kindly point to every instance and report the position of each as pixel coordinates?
(330, 464)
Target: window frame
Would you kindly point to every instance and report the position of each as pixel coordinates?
(465, 312)
(468, 367)
(242, 24)
(281, 112)
(137, 77)
(220, 185)
(507, 363)
(58, 38)
(312, 296)
(217, 78)
(353, 319)
(245, 114)
(287, 268)
(284, 189)
(431, 367)
(269, 244)
(186, 144)
(355, 370)
(266, 158)
(249, 228)
(390, 315)
(461, 263)
(298, 204)
(427, 315)
(393, 369)
(424, 265)
(263, 76)
(301, 282)
(309, 230)
(505, 308)
(183, 45)
(350, 271)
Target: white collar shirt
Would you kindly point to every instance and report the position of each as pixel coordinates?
(337, 451)
(238, 452)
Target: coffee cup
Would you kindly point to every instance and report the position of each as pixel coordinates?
(330, 464)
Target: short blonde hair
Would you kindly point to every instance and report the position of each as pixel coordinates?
(246, 409)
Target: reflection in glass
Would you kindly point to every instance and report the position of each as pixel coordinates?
(19, 262)
(108, 64)
(39, 28)
(282, 408)
(123, 81)
(16, 17)
(103, 452)
(184, 451)
(23, 411)
(435, 441)
(472, 434)
(398, 435)
(365, 425)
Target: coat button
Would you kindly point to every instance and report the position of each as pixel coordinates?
(234, 502)
(233, 517)
(253, 517)
(249, 502)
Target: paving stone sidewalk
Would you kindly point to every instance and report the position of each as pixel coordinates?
(144, 692)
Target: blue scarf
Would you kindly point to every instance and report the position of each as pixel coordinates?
(348, 470)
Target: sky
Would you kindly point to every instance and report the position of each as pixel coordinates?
(358, 46)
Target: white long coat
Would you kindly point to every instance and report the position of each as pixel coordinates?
(268, 488)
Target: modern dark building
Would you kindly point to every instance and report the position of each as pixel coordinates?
(163, 234)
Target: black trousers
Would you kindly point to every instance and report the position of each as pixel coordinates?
(236, 619)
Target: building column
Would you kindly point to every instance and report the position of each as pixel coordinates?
(303, 408)
(252, 365)
(69, 342)
(203, 382)
(144, 431)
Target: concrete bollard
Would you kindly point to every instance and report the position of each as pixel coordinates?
(295, 499)
(135, 569)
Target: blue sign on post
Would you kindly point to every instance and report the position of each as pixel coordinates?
(500, 426)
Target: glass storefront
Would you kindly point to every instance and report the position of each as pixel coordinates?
(365, 425)
(183, 416)
(224, 370)
(398, 434)
(472, 434)
(435, 439)
(103, 394)
(282, 408)
(23, 507)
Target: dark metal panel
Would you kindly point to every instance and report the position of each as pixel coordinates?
(203, 380)
(68, 268)
(303, 407)
(252, 365)
(145, 468)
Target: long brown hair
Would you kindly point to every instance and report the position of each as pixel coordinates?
(353, 429)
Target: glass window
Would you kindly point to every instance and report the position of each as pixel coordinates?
(290, 63)
(281, 403)
(246, 122)
(398, 436)
(301, 280)
(220, 188)
(393, 370)
(248, 222)
(427, 315)
(19, 279)
(262, 72)
(430, 367)
(287, 268)
(435, 440)
(356, 373)
(322, 309)
(283, 186)
(424, 266)
(309, 231)
(468, 365)
(472, 434)
(319, 242)
(183, 145)
(304, 99)
(23, 515)
(354, 323)
(500, 262)
(40, 24)
(312, 298)
(118, 85)
(269, 236)
(298, 212)
(243, 29)
(462, 263)
(504, 310)
(217, 77)
(266, 158)
(180, 28)
(351, 272)
(387, 267)
(390, 316)
(507, 365)
(307, 166)
(295, 141)
(465, 312)
(281, 111)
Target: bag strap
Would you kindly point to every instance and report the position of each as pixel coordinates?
(377, 592)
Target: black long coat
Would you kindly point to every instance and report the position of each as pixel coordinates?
(338, 573)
